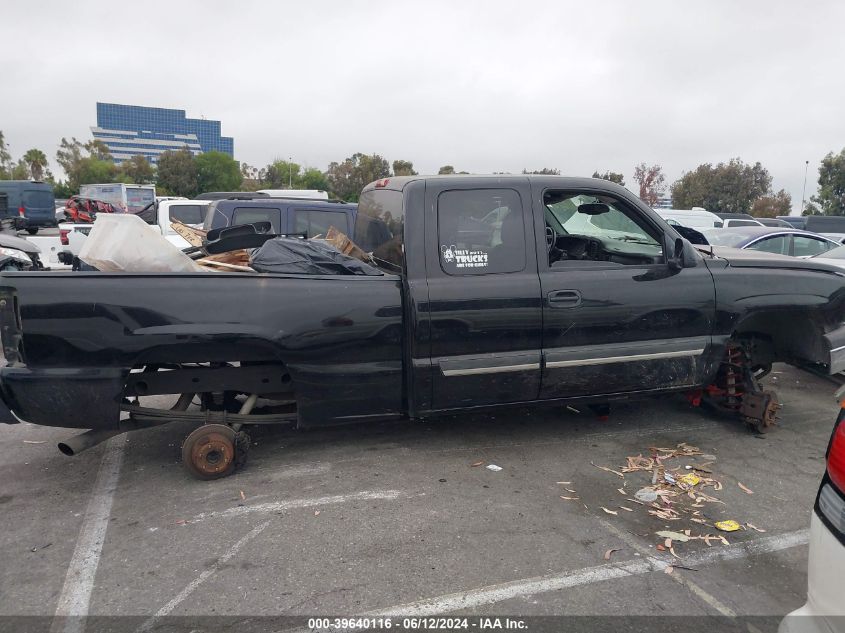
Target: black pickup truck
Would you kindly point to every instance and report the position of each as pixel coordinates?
(494, 290)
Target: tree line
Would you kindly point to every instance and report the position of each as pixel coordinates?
(730, 187)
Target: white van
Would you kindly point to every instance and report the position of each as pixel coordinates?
(696, 218)
(310, 194)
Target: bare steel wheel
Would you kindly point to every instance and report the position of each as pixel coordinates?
(209, 451)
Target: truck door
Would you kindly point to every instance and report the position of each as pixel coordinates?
(484, 309)
(617, 317)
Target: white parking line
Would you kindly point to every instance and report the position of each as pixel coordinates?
(187, 591)
(530, 586)
(264, 507)
(678, 577)
(278, 506)
(79, 581)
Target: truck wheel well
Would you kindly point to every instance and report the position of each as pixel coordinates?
(787, 336)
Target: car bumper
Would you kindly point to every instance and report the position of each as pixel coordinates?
(824, 611)
(836, 346)
(86, 398)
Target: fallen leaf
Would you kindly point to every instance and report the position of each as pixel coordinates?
(622, 492)
(675, 536)
(754, 527)
(626, 509)
(745, 489)
(610, 470)
(609, 511)
(243, 496)
(480, 462)
(728, 526)
(672, 552)
(667, 543)
(569, 498)
(34, 441)
(571, 490)
(181, 522)
(316, 513)
(565, 483)
(609, 553)
(660, 547)
(698, 520)
(668, 569)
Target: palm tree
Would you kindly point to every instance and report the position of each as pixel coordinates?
(37, 161)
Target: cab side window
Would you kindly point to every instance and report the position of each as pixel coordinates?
(481, 231)
(586, 227)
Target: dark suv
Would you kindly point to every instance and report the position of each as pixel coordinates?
(290, 216)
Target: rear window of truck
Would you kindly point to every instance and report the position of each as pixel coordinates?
(187, 213)
(379, 227)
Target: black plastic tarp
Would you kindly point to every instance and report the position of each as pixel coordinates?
(309, 257)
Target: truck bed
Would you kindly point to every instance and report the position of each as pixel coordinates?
(76, 331)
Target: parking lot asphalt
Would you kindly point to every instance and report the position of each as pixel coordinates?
(396, 518)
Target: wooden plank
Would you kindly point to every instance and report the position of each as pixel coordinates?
(212, 265)
(193, 236)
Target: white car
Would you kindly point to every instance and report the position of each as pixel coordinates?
(191, 212)
(696, 218)
(834, 257)
(824, 611)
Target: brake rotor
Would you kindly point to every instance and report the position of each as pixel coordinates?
(760, 410)
(209, 451)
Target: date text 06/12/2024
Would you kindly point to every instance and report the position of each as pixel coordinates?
(327, 625)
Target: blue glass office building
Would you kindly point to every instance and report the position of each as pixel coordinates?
(130, 130)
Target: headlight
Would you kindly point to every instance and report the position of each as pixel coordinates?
(15, 254)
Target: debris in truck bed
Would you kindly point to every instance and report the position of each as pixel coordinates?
(125, 243)
(310, 257)
(345, 245)
(192, 236)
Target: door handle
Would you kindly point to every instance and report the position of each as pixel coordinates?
(564, 298)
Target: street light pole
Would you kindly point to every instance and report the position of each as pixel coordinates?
(290, 173)
(804, 190)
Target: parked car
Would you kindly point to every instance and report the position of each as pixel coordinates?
(310, 194)
(191, 212)
(833, 257)
(31, 201)
(17, 253)
(824, 611)
(472, 305)
(693, 218)
(775, 222)
(222, 195)
(738, 219)
(790, 242)
(797, 221)
(127, 198)
(289, 216)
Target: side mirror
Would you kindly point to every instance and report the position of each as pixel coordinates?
(676, 260)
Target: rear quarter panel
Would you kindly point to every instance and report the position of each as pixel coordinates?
(340, 336)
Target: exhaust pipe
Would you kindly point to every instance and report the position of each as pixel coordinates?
(84, 441)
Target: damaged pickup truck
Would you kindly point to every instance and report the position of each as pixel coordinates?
(493, 290)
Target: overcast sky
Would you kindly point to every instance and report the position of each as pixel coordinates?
(484, 86)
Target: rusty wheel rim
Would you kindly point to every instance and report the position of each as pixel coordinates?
(209, 451)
